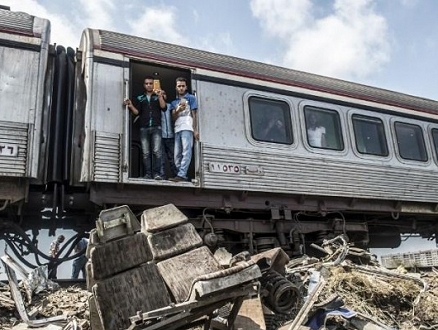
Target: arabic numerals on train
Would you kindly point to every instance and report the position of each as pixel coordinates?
(224, 168)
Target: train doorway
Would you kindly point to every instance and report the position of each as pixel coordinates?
(167, 77)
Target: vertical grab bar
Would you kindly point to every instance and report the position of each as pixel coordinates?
(126, 131)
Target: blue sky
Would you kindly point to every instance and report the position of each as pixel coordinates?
(388, 44)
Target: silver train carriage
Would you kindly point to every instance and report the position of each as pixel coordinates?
(36, 95)
(261, 175)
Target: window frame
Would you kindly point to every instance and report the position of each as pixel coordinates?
(339, 122)
(287, 114)
(434, 144)
(383, 130)
(400, 121)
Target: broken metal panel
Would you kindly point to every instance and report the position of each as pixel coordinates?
(18, 299)
(34, 281)
(275, 259)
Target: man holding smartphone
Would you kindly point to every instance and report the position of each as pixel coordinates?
(184, 109)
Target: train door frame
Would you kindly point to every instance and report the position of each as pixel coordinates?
(134, 74)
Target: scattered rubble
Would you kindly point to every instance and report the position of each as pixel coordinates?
(344, 289)
(71, 301)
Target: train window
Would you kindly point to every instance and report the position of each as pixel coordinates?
(369, 133)
(410, 141)
(435, 140)
(270, 120)
(323, 128)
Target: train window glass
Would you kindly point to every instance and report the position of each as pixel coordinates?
(410, 141)
(369, 133)
(270, 120)
(435, 140)
(323, 128)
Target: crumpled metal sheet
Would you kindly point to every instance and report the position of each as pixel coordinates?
(53, 308)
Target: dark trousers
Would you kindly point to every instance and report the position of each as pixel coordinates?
(52, 271)
(168, 154)
(150, 138)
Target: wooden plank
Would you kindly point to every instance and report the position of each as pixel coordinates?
(250, 315)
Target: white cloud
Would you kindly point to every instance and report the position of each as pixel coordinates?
(99, 13)
(62, 31)
(155, 22)
(409, 3)
(218, 43)
(160, 23)
(282, 17)
(195, 16)
(351, 42)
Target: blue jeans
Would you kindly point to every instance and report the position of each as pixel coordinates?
(183, 152)
(168, 153)
(78, 266)
(150, 138)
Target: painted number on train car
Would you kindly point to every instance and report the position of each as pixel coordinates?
(8, 150)
(224, 168)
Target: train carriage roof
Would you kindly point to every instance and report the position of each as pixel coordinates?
(24, 24)
(193, 58)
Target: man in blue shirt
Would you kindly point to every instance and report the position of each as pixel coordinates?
(168, 142)
(79, 262)
(184, 109)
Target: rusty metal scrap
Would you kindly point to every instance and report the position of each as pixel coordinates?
(380, 299)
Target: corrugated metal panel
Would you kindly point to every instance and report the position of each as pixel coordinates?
(296, 174)
(15, 136)
(16, 21)
(107, 157)
(169, 53)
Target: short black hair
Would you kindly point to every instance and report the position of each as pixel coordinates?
(181, 79)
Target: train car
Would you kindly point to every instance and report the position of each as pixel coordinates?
(285, 158)
(25, 77)
(373, 176)
(36, 96)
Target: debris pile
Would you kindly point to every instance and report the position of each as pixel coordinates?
(71, 301)
(356, 292)
(345, 288)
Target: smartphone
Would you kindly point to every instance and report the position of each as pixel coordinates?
(157, 84)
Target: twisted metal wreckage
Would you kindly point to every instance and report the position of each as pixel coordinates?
(157, 274)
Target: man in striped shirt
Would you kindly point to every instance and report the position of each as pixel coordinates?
(54, 249)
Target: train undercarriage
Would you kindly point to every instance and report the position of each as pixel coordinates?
(238, 221)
